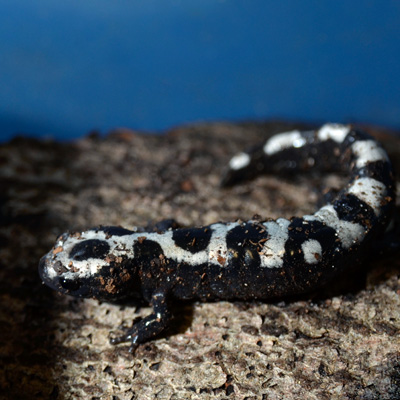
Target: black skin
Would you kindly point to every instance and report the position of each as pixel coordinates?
(159, 319)
(150, 326)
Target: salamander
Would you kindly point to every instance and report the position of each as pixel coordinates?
(255, 259)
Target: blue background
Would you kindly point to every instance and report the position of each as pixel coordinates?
(68, 67)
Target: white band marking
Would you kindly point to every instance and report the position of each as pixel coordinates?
(284, 141)
(336, 132)
(239, 161)
(368, 151)
(370, 191)
(312, 251)
(273, 249)
(348, 232)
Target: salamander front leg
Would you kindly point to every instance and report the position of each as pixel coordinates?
(149, 326)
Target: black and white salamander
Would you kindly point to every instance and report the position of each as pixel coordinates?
(238, 260)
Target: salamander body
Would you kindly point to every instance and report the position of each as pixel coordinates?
(238, 260)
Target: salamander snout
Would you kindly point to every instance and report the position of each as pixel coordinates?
(73, 263)
(52, 274)
(92, 263)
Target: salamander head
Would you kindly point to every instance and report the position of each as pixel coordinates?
(95, 263)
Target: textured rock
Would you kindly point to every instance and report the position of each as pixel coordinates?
(341, 342)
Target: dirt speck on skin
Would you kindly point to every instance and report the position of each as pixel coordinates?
(339, 343)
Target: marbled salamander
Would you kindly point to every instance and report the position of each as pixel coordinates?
(238, 260)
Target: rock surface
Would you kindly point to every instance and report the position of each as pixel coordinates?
(339, 343)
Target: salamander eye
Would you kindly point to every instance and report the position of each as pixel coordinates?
(75, 287)
(70, 285)
(92, 248)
